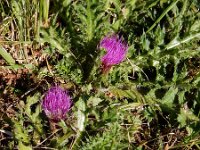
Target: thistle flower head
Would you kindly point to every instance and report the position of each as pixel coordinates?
(56, 103)
(116, 51)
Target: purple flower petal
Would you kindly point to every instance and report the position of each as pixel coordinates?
(116, 51)
(56, 103)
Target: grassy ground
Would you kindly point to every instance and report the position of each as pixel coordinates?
(149, 101)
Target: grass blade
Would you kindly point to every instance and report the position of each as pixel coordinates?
(162, 15)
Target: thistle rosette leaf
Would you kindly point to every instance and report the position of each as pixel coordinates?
(116, 50)
(56, 103)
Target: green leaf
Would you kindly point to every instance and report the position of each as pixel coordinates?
(130, 106)
(181, 97)
(21, 146)
(9, 59)
(169, 96)
(94, 101)
(186, 116)
(80, 114)
(123, 93)
(20, 133)
(176, 42)
(66, 3)
(145, 42)
(30, 101)
(132, 94)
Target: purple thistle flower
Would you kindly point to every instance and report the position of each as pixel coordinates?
(116, 51)
(56, 103)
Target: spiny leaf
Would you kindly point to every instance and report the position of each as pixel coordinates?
(94, 101)
(186, 116)
(169, 96)
(30, 101)
(20, 133)
(177, 42)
